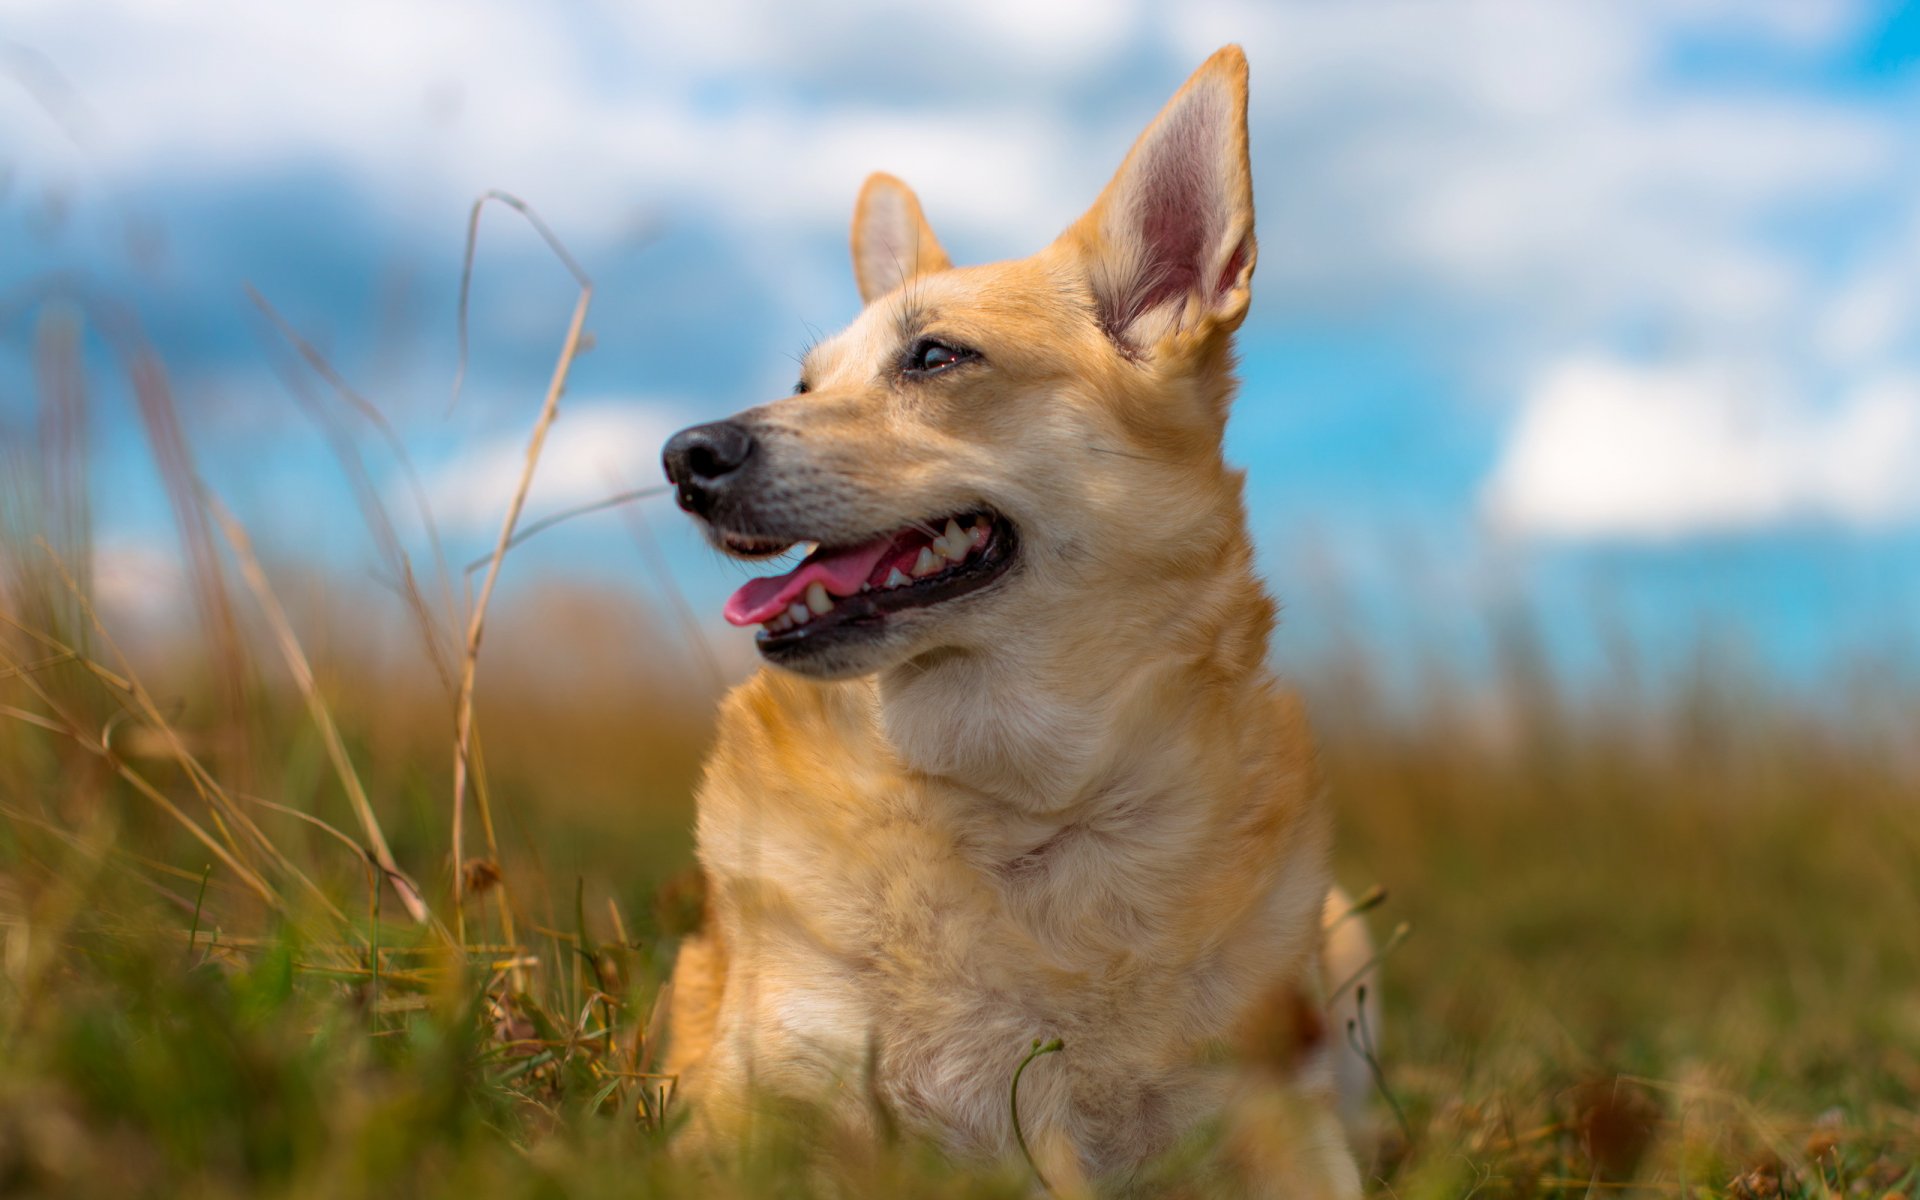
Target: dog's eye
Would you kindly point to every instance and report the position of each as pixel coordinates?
(929, 356)
(801, 388)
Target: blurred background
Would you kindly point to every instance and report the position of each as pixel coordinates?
(1582, 427)
(1602, 314)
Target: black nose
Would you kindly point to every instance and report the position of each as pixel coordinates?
(700, 460)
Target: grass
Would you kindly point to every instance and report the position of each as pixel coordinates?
(1686, 962)
(1677, 947)
(1661, 942)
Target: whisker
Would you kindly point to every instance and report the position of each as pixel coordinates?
(1124, 454)
(814, 338)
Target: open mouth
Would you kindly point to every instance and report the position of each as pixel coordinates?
(847, 589)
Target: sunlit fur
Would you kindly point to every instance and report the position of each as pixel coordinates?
(1075, 803)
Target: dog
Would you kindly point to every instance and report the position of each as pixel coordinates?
(1018, 769)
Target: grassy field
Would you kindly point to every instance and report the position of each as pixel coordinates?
(1669, 945)
(1660, 940)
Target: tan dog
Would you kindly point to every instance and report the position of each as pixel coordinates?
(1023, 771)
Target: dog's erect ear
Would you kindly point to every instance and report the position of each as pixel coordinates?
(1169, 244)
(892, 242)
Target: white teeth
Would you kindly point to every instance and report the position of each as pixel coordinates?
(977, 536)
(816, 601)
(926, 564)
(896, 579)
(953, 544)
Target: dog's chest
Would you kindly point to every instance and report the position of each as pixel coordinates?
(937, 977)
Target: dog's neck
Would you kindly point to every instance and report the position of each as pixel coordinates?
(1049, 719)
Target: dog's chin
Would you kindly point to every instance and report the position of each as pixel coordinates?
(851, 651)
(885, 599)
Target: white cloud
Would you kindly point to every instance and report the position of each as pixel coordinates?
(596, 116)
(1867, 317)
(1516, 155)
(987, 42)
(1548, 165)
(1604, 449)
(1544, 176)
(594, 449)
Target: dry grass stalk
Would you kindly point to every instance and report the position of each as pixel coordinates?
(226, 816)
(533, 529)
(67, 725)
(219, 803)
(476, 624)
(180, 479)
(540, 227)
(302, 672)
(379, 524)
(74, 841)
(483, 800)
(62, 466)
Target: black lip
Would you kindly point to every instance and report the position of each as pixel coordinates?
(859, 617)
(749, 547)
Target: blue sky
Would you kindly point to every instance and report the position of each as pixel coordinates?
(1598, 312)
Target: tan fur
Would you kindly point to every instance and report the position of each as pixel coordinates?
(693, 997)
(1073, 804)
(892, 241)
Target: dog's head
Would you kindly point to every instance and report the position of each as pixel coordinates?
(990, 449)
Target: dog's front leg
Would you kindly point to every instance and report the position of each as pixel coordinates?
(1285, 1141)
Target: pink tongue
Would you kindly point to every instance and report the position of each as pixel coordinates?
(841, 572)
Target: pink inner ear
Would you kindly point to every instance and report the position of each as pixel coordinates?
(1235, 265)
(1177, 208)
